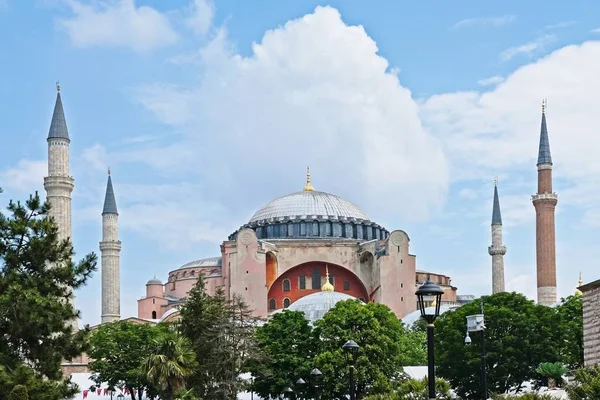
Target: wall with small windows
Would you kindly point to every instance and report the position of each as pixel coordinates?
(308, 278)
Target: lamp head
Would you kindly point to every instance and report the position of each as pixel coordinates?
(429, 291)
(468, 339)
(315, 372)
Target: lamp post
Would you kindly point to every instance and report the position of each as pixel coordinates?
(315, 375)
(475, 323)
(351, 349)
(430, 291)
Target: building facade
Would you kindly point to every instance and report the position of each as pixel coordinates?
(591, 322)
(283, 252)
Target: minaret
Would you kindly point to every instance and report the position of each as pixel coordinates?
(59, 183)
(544, 202)
(497, 250)
(110, 248)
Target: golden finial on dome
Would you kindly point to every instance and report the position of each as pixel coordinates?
(579, 284)
(327, 286)
(308, 187)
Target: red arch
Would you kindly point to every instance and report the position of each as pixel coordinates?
(340, 274)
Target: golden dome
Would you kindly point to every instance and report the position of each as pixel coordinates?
(579, 284)
(327, 286)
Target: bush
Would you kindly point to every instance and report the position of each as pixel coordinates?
(413, 389)
(524, 396)
(586, 385)
(19, 392)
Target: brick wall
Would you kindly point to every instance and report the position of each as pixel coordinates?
(591, 323)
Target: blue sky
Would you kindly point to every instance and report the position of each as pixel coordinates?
(205, 111)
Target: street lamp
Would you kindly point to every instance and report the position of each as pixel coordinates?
(427, 292)
(351, 349)
(315, 375)
(475, 323)
(288, 392)
(120, 396)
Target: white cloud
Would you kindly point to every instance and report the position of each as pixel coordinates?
(25, 177)
(597, 30)
(529, 48)
(560, 25)
(485, 21)
(118, 23)
(313, 92)
(493, 80)
(201, 16)
(497, 131)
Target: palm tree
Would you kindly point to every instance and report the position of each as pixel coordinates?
(171, 362)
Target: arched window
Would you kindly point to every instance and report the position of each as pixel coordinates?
(153, 314)
(286, 302)
(272, 304)
(286, 285)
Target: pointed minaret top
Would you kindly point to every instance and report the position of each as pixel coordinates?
(544, 156)
(496, 215)
(110, 204)
(327, 286)
(308, 187)
(58, 126)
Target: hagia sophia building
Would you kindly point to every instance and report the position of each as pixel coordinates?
(289, 247)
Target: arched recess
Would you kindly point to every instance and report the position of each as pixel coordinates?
(367, 261)
(344, 281)
(271, 272)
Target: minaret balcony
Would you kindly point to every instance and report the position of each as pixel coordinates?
(544, 196)
(496, 250)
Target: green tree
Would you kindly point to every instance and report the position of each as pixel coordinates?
(222, 335)
(289, 346)
(570, 326)
(169, 364)
(519, 335)
(553, 372)
(586, 384)
(413, 389)
(19, 392)
(378, 363)
(118, 350)
(36, 277)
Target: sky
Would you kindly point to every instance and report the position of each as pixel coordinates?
(205, 111)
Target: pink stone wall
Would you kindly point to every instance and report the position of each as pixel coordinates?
(149, 304)
(154, 290)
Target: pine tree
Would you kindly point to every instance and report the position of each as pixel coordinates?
(36, 277)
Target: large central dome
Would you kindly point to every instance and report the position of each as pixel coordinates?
(306, 204)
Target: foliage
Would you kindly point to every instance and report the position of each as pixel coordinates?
(118, 349)
(414, 389)
(36, 277)
(570, 325)
(553, 372)
(170, 362)
(519, 335)
(19, 392)
(378, 362)
(289, 346)
(221, 332)
(586, 385)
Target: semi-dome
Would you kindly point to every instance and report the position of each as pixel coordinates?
(306, 204)
(316, 305)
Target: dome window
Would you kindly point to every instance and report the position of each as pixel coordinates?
(286, 285)
(286, 302)
(272, 304)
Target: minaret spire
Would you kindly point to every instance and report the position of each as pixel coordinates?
(59, 183)
(497, 250)
(110, 248)
(545, 201)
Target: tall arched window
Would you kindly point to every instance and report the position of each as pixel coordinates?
(272, 304)
(286, 302)
(286, 285)
(153, 314)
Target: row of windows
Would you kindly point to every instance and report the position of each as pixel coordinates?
(316, 282)
(320, 229)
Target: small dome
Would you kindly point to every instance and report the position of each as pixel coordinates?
(154, 281)
(306, 204)
(316, 305)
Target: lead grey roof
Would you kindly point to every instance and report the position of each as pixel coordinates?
(205, 262)
(110, 204)
(544, 156)
(58, 126)
(316, 305)
(496, 215)
(306, 204)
